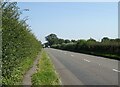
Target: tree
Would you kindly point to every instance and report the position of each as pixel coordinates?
(91, 40)
(73, 41)
(52, 39)
(60, 41)
(105, 39)
(67, 41)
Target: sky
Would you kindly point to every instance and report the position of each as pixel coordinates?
(72, 20)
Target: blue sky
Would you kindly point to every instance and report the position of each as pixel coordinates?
(75, 20)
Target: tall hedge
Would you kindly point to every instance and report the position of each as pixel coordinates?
(110, 48)
(18, 43)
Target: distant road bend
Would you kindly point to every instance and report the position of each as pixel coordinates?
(82, 69)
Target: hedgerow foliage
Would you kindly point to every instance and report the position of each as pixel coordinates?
(109, 47)
(112, 48)
(19, 44)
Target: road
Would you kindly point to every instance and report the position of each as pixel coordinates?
(83, 69)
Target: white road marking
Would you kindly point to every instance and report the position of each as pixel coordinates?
(86, 60)
(72, 55)
(116, 70)
(64, 53)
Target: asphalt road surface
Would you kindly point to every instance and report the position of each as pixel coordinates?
(82, 69)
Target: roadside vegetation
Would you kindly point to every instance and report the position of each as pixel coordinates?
(19, 46)
(107, 47)
(45, 74)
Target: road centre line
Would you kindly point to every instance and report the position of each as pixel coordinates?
(116, 70)
(86, 60)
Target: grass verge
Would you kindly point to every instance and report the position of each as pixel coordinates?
(45, 74)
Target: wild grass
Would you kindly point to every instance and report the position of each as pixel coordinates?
(45, 74)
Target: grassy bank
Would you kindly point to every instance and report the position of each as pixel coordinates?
(45, 74)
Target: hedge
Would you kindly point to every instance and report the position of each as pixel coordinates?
(19, 46)
(111, 48)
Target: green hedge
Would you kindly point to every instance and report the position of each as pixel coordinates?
(111, 48)
(19, 45)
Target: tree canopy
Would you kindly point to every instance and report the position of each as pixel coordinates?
(52, 39)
